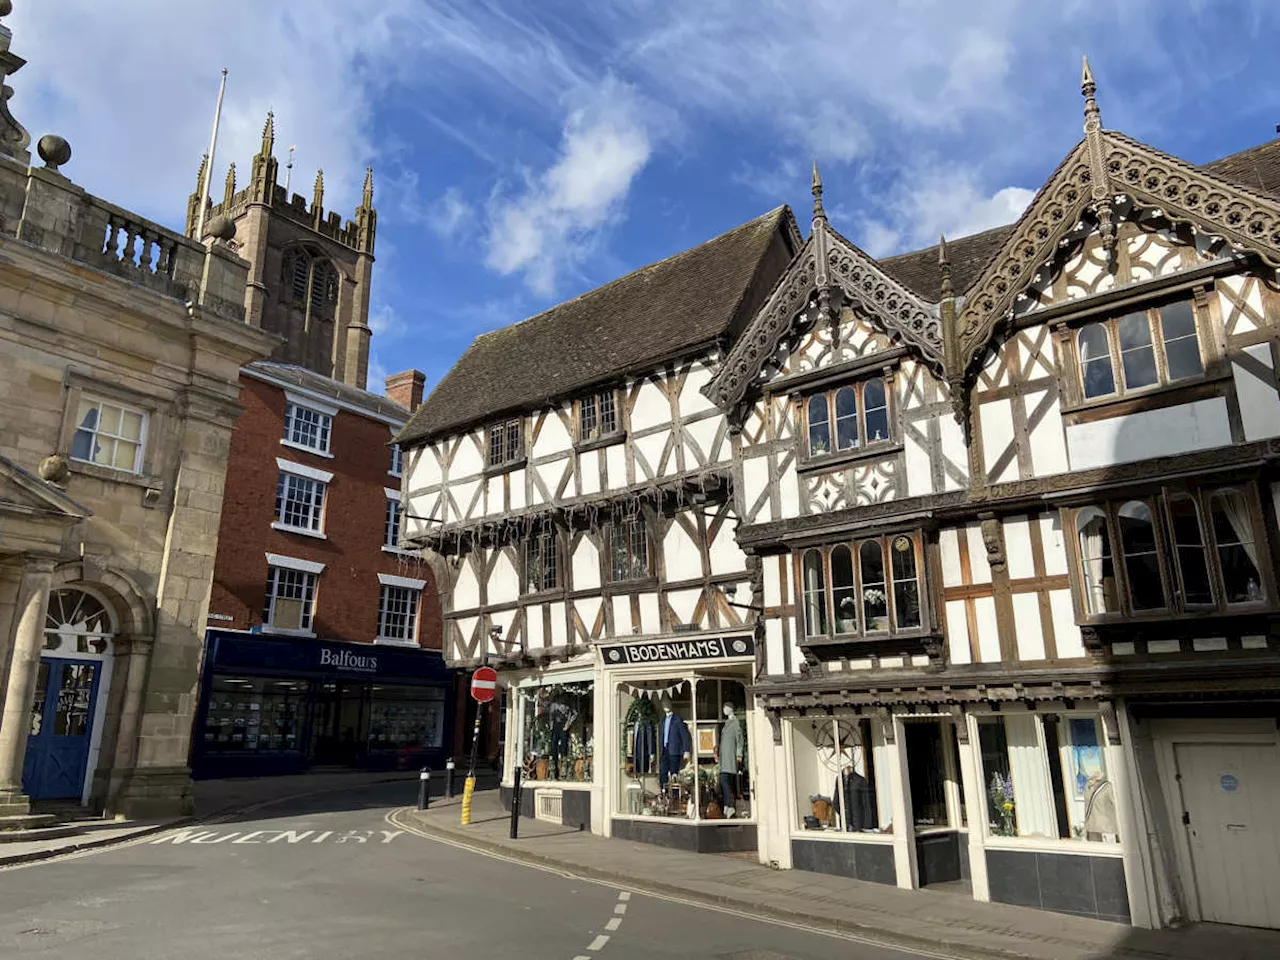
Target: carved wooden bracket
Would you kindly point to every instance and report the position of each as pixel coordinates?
(1110, 723)
(993, 540)
(775, 724)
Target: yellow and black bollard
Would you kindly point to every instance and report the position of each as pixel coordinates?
(468, 789)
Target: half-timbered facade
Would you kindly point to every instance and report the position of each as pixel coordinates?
(1001, 518)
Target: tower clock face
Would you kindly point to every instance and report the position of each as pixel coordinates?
(837, 742)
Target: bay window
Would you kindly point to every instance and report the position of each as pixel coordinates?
(1142, 349)
(1187, 551)
(874, 587)
(848, 418)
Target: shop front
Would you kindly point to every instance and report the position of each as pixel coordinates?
(283, 705)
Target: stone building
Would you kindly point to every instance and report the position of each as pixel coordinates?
(120, 349)
(979, 543)
(309, 271)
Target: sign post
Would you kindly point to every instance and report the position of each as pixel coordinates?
(484, 687)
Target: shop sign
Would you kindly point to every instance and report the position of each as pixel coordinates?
(672, 651)
(346, 660)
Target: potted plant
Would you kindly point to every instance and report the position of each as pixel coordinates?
(1000, 793)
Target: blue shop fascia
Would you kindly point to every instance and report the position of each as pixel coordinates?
(275, 704)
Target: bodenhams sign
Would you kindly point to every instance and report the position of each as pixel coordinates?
(668, 651)
(346, 660)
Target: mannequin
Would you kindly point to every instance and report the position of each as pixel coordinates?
(674, 743)
(729, 755)
(561, 717)
(857, 804)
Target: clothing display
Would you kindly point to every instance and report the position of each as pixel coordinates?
(730, 755)
(645, 748)
(675, 743)
(859, 801)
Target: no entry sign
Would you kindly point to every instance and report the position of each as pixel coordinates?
(484, 684)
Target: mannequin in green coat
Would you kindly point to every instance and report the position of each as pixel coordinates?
(730, 757)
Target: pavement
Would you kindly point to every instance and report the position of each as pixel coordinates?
(326, 876)
(928, 921)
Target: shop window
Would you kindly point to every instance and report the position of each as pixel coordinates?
(1139, 350)
(1046, 777)
(628, 549)
(839, 775)
(254, 715)
(300, 503)
(405, 721)
(557, 736)
(289, 600)
(685, 753)
(506, 442)
(398, 614)
(875, 587)
(541, 562)
(847, 418)
(597, 416)
(307, 427)
(1169, 558)
(110, 435)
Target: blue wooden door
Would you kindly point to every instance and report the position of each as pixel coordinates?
(61, 727)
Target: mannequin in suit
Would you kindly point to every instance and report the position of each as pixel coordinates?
(674, 743)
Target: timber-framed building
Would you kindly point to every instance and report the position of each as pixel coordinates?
(978, 542)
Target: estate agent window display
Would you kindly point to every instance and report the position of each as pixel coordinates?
(683, 747)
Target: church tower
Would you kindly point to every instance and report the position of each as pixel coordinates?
(310, 272)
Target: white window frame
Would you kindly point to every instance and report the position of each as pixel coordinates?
(324, 428)
(397, 461)
(393, 497)
(124, 408)
(310, 571)
(413, 589)
(320, 479)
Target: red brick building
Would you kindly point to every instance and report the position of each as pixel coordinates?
(324, 637)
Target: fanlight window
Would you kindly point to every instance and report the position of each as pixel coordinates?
(76, 622)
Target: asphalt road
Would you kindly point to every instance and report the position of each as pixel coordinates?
(328, 877)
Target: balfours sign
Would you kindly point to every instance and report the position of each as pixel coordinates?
(346, 660)
(670, 651)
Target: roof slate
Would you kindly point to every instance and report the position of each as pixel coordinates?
(631, 323)
(328, 387)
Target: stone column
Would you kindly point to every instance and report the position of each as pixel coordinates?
(15, 722)
(132, 660)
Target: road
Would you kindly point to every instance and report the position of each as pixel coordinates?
(328, 877)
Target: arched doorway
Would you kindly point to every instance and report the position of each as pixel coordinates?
(65, 715)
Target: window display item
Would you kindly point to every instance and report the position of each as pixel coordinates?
(730, 759)
(675, 742)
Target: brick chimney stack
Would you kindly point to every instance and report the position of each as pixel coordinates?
(406, 388)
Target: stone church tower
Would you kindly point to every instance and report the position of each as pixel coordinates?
(310, 274)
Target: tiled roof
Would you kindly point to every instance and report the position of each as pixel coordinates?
(654, 313)
(1257, 168)
(328, 387)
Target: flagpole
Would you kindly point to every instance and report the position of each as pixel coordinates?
(213, 146)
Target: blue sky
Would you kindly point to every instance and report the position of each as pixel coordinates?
(525, 152)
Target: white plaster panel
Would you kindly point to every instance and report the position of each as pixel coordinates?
(954, 449)
(1152, 433)
(651, 448)
(773, 640)
(978, 566)
(586, 566)
(893, 661)
(796, 656)
(650, 617)
(1026, 619)
(919, 468)
(533, 632)
(1259, 402)
(462, 494)
(559, 630)
(466, 592)
(424, 468)
(1048, 443)
(622, 616)
(467, 461)
(785, 417)
(681, 555)
(504, 582)
(725, 554)
(692, 399)
(587, 609)
(988, 635)
(1209, 644)
(958, 633)
(1065, 632)
(1238, 321)
(504, 619)
(553, 437)
(997, 434)
(652, 408)
(423, 505)
(683, 603)
(789, 493)
(616, 464)
(703, 433)
(755, 481)
(466, 627)
(517, 482)
(589, 471)
(949, 546)
(774, 569)
(1055, 547)
(1164, 646)
(1017, 548)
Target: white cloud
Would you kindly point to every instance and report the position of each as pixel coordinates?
(551, 222)
(451, 216)
(384, 321)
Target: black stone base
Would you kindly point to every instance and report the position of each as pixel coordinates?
(575, 805)
(727, 837)
(872, 862)
(1077, 884)
(940, 858)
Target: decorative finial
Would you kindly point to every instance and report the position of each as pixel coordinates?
(1088, 87)
(204, 165)
(944, 269)
(6, 7)
(818, 212)
(367, 199)
(1100, 191)
(54, 151)
(268, 135)
(229, 191)
(222, 228)
(317, 198)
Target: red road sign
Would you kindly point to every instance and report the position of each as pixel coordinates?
(484, 684)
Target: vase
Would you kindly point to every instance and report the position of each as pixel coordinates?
(542, 768)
